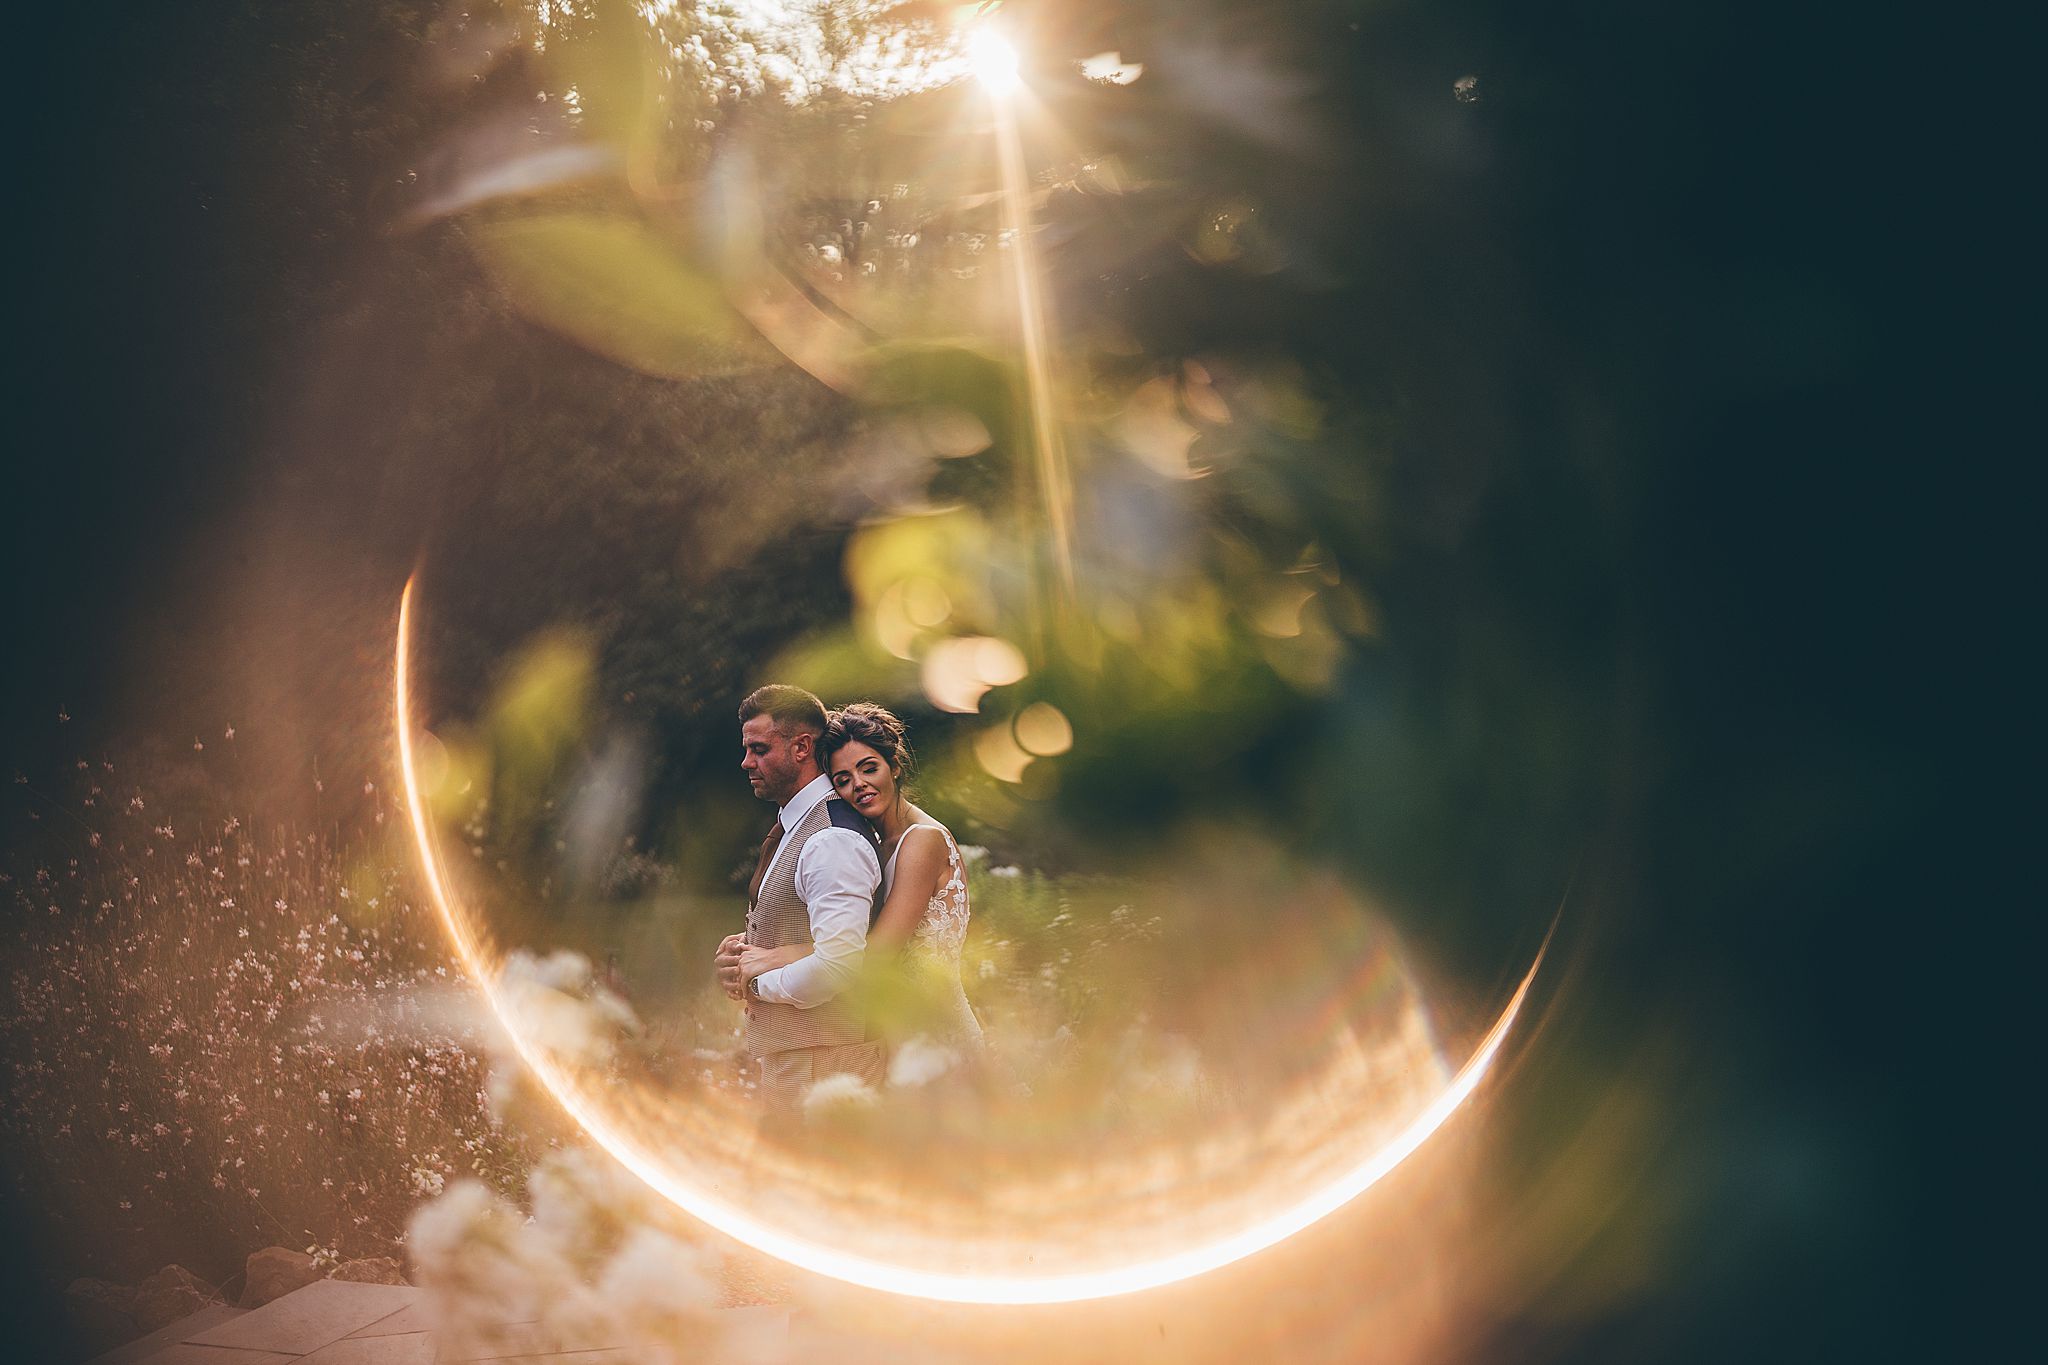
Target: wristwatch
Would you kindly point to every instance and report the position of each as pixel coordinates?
(754, 988)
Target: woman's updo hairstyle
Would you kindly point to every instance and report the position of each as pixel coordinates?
(872, 725)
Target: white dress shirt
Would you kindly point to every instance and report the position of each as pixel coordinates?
(837, 874)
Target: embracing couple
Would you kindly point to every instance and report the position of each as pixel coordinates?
(850, 870)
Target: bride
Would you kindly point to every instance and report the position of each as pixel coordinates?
(924, 885)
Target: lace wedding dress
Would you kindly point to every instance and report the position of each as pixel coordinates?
(934, 949)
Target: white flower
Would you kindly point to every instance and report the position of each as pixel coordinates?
(581, 1201)
(919, 1061)
(842, 1093)
(662, 1294)
(481, 1268)
(561, 1010)
(442, 1229)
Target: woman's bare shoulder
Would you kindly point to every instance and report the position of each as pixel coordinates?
(924, 848)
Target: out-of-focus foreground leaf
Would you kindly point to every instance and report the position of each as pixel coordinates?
(616, 286)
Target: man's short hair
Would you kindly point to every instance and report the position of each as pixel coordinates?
(791, 708)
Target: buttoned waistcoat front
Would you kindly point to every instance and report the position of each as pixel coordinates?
(778, 919)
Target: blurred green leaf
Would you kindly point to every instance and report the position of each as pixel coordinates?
(613, 284)
(538, 719)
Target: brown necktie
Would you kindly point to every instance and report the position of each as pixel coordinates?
(761, 868)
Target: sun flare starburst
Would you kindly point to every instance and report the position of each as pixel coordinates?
(993, 59)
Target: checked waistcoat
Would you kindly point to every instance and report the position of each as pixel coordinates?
(779, 918)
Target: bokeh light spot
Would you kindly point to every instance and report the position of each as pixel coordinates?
(958, 672)
(1043, 729)
(1000, 756)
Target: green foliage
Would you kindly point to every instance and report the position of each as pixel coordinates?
(609, 283)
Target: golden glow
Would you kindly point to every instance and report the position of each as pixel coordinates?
(993, 61)
(1111, 68)
(666, 1166)
(1047, 445)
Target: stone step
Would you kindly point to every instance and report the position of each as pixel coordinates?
(306, 1319)
(213, 1315)
(337, 1322)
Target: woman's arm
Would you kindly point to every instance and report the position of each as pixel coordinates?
(919, 865)
(755, 961)
(920, 862)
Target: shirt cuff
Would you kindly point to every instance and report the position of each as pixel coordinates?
(768, 986)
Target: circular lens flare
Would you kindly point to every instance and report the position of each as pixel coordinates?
(591, 1108)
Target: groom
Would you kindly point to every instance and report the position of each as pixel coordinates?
(815, 883)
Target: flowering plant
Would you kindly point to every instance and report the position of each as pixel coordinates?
(218, 1036)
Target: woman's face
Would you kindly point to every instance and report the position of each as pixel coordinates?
(863, 778)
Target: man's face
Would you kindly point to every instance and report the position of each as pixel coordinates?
(773, 761)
